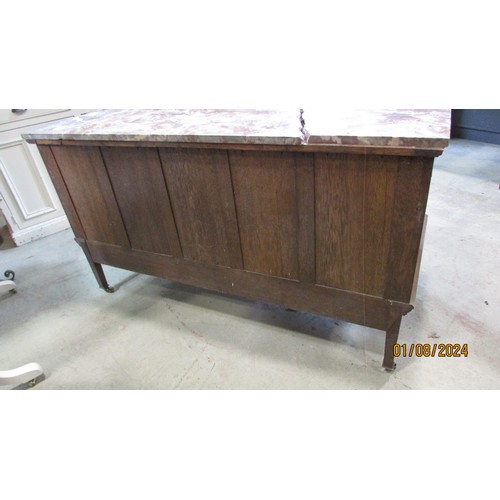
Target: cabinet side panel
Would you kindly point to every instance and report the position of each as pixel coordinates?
(199, 183)
(87, 180)
(339, 186)
(266, 203)
(141, 193)
(414, 176)
(62, 191)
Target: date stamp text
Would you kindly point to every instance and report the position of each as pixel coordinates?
(431, 350)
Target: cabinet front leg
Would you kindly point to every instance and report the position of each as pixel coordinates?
(391, 338)
(96, 268)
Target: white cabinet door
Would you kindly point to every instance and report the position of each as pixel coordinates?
(28, 199)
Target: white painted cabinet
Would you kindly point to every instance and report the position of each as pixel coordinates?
(27, 197)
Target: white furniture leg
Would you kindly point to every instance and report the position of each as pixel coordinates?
(26, 374)
(22, 375)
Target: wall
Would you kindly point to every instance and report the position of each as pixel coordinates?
(476, 124)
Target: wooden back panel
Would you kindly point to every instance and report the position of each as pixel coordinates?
(344, 221)
(199, 182)
(87, 181)
(266, 203)
(141, 192)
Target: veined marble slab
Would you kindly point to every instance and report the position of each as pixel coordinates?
(414, 128)
(220, 126)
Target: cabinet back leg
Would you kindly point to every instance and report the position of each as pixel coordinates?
(391, 338)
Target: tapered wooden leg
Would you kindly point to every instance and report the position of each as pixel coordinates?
(100, 277)
(96, 268)
(391, 338)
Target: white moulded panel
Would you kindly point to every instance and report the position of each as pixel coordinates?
(28, 199)
(24, 183)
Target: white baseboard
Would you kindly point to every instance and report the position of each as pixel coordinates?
(38, 231)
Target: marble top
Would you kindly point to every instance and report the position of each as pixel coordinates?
(221, 126)
(424, 128)
(414, 128)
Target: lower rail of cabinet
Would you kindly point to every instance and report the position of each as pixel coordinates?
(358, 308)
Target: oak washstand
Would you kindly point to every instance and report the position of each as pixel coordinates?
(320, 211)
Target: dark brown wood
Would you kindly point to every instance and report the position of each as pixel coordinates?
(201, 193)
(391, 338)
(329, 230)
(62, 191)
(141, 193)
(340, 221)
(414, 176)
(96, 267)
(349, 306)
(87, 180)
(265, 194)
(304, 182)
(379, 191)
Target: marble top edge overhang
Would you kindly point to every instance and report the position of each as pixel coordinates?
(405, 128)
(219, 126)
(411, 128)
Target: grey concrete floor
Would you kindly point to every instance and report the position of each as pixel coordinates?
(156, 334)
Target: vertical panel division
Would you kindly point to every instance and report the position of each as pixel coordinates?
(202, 201)
(266, 202)
(86, 178)
(141, 192)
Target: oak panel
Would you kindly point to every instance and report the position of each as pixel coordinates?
(87, 180)
(304, 180)
(339, 182)
(141, 192)
(199, 183)
(265, 194)
(379, 191)
(62, 190)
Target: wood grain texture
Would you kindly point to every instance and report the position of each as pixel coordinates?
(414, 176)
(199, 183)
(334, 232)
(304, 182)
(348, 306)
(141, 192)
(340, 221)
(62, 191)
(87, 180)
(265, 194)
(379, 192)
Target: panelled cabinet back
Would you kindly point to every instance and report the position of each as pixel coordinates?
(320, 212)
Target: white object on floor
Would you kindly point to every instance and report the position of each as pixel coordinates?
(21, 375)
(24, 374)
(7, 285)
